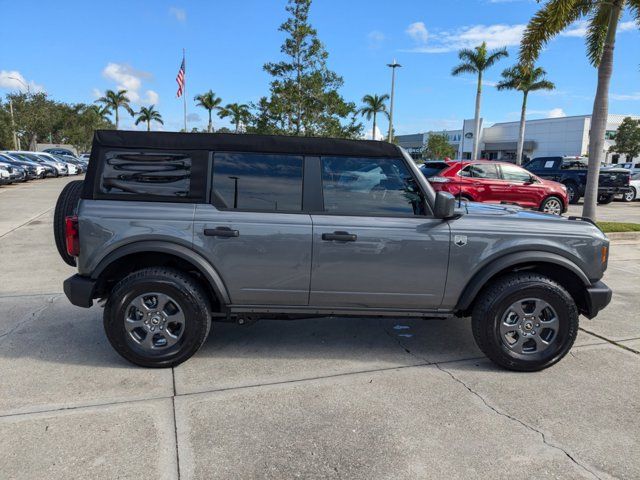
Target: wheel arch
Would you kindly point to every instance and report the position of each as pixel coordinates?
(554, 266)
(118, 263)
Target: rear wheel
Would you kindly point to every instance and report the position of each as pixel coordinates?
(552, 205)
(65, 206)
(630, 196)
(525, 322)
(157, 317)
(572, 193)
(604, 199)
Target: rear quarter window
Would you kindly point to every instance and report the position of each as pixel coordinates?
(153, 175)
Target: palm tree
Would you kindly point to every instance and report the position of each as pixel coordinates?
(102, 112)
(149, 114)
(373, 105)
(209, 101)
(237, 112)
(114, 100)
(524, 79)
(476, 61)
(603, 18)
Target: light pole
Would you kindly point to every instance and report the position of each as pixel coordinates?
(16, 145)
(393, 67)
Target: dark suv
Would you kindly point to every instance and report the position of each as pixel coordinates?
(176, 230)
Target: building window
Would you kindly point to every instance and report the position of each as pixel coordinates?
(610, 134)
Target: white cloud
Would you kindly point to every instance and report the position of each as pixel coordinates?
(375, 38)
(553, 113)
(418, 32)
(628, 96)
(178, 13)
(129, 79)
(14, 80)
(378, 134)
(496, 36)
(96, 92)
(579, 28)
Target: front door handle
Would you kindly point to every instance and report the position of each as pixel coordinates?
(221, 232)
(340, 237)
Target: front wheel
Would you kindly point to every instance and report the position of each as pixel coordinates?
(525, 322)
(572, 193)
(630, 195)
(157, 317)
(552, 205)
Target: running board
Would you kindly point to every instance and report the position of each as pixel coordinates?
(343, 311)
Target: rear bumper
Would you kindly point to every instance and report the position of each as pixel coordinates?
(79, 290)
(598, 296)
(612, 190)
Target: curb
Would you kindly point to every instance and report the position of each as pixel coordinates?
(615, 236)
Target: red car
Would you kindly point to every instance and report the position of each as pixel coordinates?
(497, 182)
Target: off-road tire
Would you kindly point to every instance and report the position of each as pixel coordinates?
(184, 289)
(572, 193)
(493, 303)
(65, 206)
(605, 199)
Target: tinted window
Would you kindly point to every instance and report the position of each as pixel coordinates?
(536, 164)
(515, 174)
(252, 181)
(574, 164)
(146, 173)
(364, 186)
(480, 170)
(432, 168)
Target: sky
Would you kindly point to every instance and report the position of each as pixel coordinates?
(74, 50)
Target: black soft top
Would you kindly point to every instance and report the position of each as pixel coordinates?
(231, 142)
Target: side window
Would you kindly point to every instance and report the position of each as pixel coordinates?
(536, 164)
(370, 186)
(483, 170)
(154, 174)
(515, 174)
(253, 181)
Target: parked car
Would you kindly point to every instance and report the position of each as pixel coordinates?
(72, 169)
(173, 230)
(634, 188)
(59, 151)
(59, 168)
(74, 165)
(5, 176)
(84, 157)
(572, 173)
(16, 173)
(631, 166)
(500, 182)
(32, 170)
(47, 170)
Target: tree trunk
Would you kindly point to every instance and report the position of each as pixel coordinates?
(476, 124)
(373, 134)
(117, 120)
(148, 125)
(600, 115)
(237, 122)
(523, 115)
(210, 126)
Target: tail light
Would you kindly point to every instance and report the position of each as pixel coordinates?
(439, 179)
(72, 236)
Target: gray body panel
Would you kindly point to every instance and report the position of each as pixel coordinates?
(107, 225)
(394, 262)
(269, 262)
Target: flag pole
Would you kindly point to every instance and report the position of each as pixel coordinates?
(184, 93)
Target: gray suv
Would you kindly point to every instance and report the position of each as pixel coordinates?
(175, 230)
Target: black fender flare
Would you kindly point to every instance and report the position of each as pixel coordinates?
(205, 268)
(480, 278)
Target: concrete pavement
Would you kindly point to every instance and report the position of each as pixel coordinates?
(325, 398)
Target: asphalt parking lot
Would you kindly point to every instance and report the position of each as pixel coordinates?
(326, 398)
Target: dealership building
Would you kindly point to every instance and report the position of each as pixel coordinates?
(563, 136)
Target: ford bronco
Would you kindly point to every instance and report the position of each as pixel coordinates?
(174, 230)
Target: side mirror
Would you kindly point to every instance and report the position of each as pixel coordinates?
(445, 205)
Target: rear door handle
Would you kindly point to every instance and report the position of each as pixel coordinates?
(340, 237)
(221, 232)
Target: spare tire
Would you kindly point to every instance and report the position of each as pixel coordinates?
(65, 206)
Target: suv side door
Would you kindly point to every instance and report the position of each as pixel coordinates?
(254, 231)
(374, 243)
(486, 182)
(523, 187)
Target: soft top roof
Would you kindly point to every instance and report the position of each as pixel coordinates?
(232, 142)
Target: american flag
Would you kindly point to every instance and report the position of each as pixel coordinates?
(180, 79)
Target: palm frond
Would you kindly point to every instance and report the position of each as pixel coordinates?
(549, 21)
(464, 68)
(597, 32)
(495, 56)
